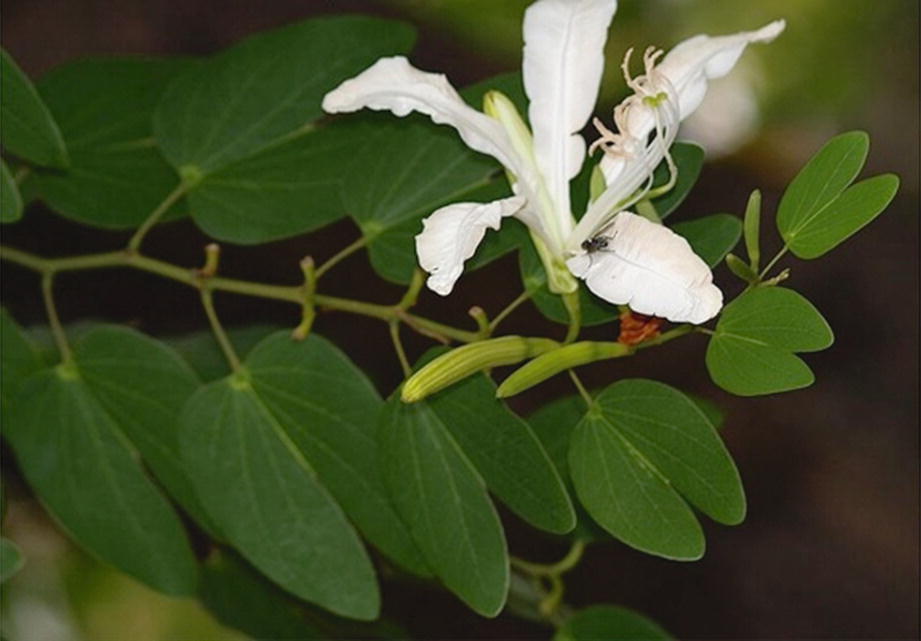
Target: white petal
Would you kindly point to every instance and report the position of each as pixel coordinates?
(695, 61)
(652, 269)
(563, 61)
(392, 84)
(451, 235)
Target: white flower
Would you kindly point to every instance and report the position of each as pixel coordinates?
(623, 258)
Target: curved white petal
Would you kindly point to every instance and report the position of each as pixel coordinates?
(652, 269)
(392, 84)
(563, 61)
(451, 235)
(693, 62)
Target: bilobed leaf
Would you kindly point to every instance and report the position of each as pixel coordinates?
(403, 169)
(267, 500)
(609, 623)
(243, 123)
(117, 176)
(444, 502)
(11, 559)
(823, 178)
(711, 237)
(505, 452)
(10, 199)
(689, 159)
(329, 409)
(19, 359)
(751, 351)
(29, 130)
(75, 457)
(640, 452)
(844, 216)
(143, 384)
(201, 350)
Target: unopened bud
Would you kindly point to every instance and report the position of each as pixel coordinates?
(553, 362)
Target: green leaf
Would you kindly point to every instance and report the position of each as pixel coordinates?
(19, 359)
(641, 445)
(242, 126)
(840, 219)
(821, 181)
(267, 500)
(11, 559)
(29, 130)
(202, 351)
(506, 452)
(711, 237)
(329, 409)
(75, 457)
(10, 199)
(404, 169)
(752, 229)
(750, 352)
(117, 176)
(444, 502)
(143, 384)
(689, 158)
(594, 310)
(610, 623)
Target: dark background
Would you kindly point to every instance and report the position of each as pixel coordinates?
(830, 546)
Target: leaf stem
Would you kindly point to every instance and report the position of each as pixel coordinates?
(664, 337)
(341, 255)
(589, 401)
(226, 346)
(770, 265)
(398, 347)
(135, 242)
(511, 307)
(57, 330)
(574, 309)
(568, 562)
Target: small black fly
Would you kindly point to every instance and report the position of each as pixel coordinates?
(595, 244)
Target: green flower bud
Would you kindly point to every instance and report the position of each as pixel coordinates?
(554, 362)
(460, 363)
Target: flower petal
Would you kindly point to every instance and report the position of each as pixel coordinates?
(652, 269)
(563, 61)
(695, 61)
(392, 84)
(451, 235)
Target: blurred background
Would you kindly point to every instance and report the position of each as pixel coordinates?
(830, 547)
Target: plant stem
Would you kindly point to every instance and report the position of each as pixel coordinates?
(589, 401)
(342, 254)
(511, 307)
(574, 309)
(398, 348)
(57, 330)
(671, 334)
(568, 562)
(226, 346)
(770, 265)
(155, 216)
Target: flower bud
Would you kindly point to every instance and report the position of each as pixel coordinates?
(463, 361)
(555, 361)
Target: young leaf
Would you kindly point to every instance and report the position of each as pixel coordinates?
(329, 409)
(751, 351)
(844, 216)
(29, 130)
(242, 124)
(143, 385)
(752, 227)
(611, 623)
(505, 452)
(444, 501)
(77, 460)
(11, 559)
(821, 181)
(266, 499)
(689, 159)
(117, 176)
(10, 199)
(711, 237)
